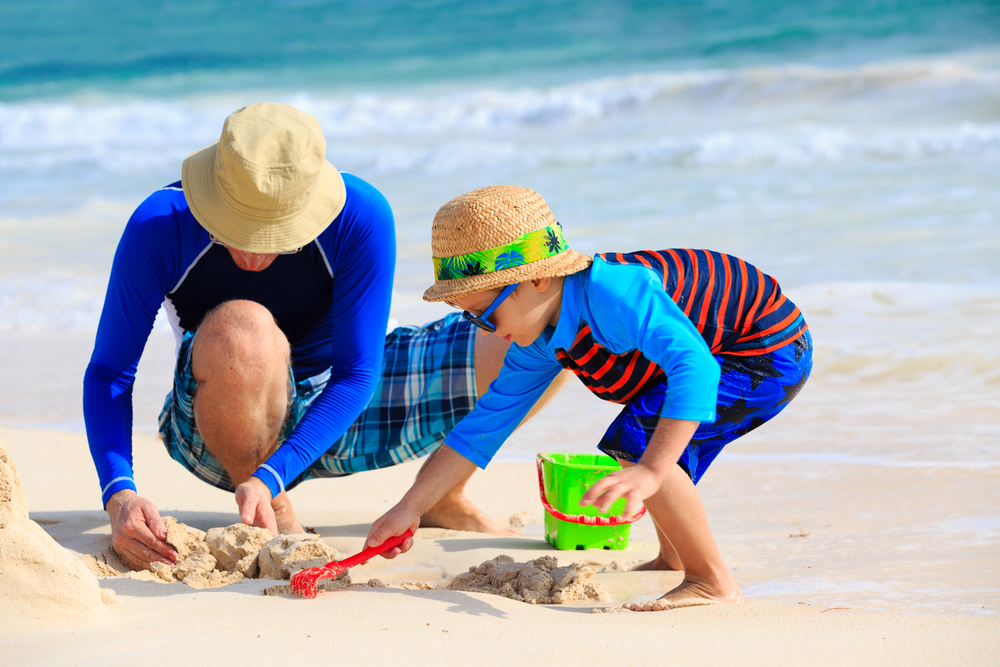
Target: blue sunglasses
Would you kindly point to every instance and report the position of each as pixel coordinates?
(481, 321)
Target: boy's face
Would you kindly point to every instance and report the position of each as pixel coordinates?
(523, 316)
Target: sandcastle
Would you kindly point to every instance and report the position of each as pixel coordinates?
(223, 556)
(39, 580)
(539, 581)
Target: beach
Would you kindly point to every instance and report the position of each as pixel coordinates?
(851, 152)
(841, 562)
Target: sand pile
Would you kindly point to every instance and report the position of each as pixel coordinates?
(223, 556)
(539, 581)
(39, 580)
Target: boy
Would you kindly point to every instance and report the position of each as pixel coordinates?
(700, 347)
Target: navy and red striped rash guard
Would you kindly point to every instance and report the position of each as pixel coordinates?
(735, 307)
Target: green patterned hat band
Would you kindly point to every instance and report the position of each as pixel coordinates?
(530, 247)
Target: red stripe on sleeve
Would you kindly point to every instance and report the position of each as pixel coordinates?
(743, 291)
(606, 367)
(580, 334)
(752, 313)
(626, 375)
(773, 306)
(770, 348)
(694, 282)
(720, 322)
(666, 268)
(651, 371)
(680, 275)
(645, 262)
(780, 325)
(590, 353)
(707, 299)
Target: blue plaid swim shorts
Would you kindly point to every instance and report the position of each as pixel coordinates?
(752, 390)
(427, 386)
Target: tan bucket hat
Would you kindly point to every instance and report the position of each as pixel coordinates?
(265, 186)
(497, 236)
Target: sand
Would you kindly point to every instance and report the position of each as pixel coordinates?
(40, 581)
(883, 577)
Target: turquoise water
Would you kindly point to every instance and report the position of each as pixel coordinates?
(51, 47)
(850, 149)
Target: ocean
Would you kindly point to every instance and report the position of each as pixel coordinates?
(850, 149)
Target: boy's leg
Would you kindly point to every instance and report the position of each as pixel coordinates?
(667, 558)
(752, 390)
(681, 524)
(455, 510)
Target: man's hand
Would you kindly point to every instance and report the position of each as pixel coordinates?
(254, 500)
(392, 523)
(636, 483)
(137, 531)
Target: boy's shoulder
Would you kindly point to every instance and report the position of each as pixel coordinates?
(617, 282)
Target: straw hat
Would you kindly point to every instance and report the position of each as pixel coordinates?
(497, 236)
(265, 186)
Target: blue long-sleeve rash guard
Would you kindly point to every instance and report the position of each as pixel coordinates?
(331, 300)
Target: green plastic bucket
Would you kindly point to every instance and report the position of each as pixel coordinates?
(562, 480)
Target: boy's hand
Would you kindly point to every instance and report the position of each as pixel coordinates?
(392, 523)
(635, 483)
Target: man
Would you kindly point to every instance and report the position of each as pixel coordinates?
(276, 274)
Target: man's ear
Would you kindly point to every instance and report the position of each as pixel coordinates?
(541, 284)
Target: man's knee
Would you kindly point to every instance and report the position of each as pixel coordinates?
(241, 337)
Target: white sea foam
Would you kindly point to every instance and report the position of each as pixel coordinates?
(823, 115)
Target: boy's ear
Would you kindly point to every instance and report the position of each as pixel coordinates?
(541, 284)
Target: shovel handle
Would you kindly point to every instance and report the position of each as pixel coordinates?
(371, 552)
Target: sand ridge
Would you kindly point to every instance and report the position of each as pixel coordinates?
(39, 580)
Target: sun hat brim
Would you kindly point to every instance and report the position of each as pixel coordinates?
(565, 263)
(253, 230)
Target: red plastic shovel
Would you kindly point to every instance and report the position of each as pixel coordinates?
(304, 581)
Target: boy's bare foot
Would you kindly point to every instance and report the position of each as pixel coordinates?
(661, 563)
(455, 512)
(690, 594)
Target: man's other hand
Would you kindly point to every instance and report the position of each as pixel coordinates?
(254, 500)
(138, 533)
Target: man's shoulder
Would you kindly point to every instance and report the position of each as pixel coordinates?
(364, 201)
(167, 202)
(366, 216)
(163, 223)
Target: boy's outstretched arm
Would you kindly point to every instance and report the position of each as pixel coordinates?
(638, 482)
(438, 477)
